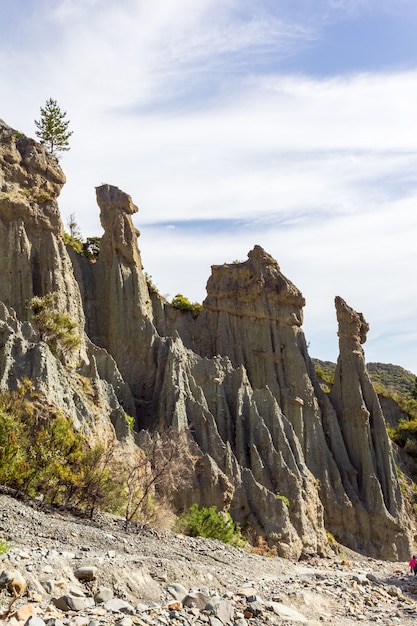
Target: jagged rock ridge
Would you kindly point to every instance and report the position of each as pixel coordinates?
(238, 376)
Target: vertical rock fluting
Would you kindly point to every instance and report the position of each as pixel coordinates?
(254, 474)
(123, 314)
(380, 510)
(273, 448)
(35, 261)
(253, 315)
(239, 376)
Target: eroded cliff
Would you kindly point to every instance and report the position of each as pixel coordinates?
(285, 458)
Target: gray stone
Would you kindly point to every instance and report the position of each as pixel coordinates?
(116, 605)
(79, 604)
(177, 591)
(196, 599)
(34, 620)
(87, 572)
(76, 591)
(104, 594)
(79, 620)
(287, 613)
(361, 579)
(222, 609)
(125, 621)
(72, 603)
(48, 585)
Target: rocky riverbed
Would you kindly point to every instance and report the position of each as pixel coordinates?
(87, 573)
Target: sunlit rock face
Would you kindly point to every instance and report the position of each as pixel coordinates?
(289, 461)
(34, 262)
(252, 316)
(372, 478)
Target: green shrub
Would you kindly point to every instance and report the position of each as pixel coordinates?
(183, 303)
(131, 421)
(91, 247)
(284, 499)
(208, 522)
(151, 285)
(13, 445)
(42, 454)
(41, 196)
(56, 329)
(4, 547)
(75, 243)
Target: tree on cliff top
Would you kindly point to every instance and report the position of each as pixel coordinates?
(53, 128)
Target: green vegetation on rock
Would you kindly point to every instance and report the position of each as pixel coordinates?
(181, 302)
(55, 328)
(53, 128)
(208, 522)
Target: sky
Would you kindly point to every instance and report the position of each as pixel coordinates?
(289, 124)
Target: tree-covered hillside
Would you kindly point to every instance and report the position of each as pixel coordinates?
(393, 378)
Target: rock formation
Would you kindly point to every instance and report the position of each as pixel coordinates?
(288, 460)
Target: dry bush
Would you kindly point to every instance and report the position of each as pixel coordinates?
(164, 468)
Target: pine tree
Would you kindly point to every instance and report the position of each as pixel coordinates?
(53, 128)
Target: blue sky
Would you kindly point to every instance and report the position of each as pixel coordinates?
(284, 123)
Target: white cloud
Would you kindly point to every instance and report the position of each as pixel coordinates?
(167, 101)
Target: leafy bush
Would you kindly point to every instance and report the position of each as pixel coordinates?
(91, 247)
(208, 522)
(75, 243)
(56, 329)
(41, 454)
(183, 303)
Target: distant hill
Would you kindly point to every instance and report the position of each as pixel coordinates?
(393, 377)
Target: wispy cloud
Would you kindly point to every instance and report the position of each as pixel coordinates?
(190, 107)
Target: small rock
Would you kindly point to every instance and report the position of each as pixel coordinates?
(175, 605)
(286, 613)
(72, 603)
(116, 605)
(79, 604)
(48, 585)
(222, 609)
(54, 621)
(125, 621)
(104, 594)
(247, 592)
(196, 599)
(87, 572)
(79, 620)
(24, 612)
(34, 620)
(76, 591)
(177, 591)
(361, 579)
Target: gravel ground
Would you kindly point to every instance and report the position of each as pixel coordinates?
(138, 566)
